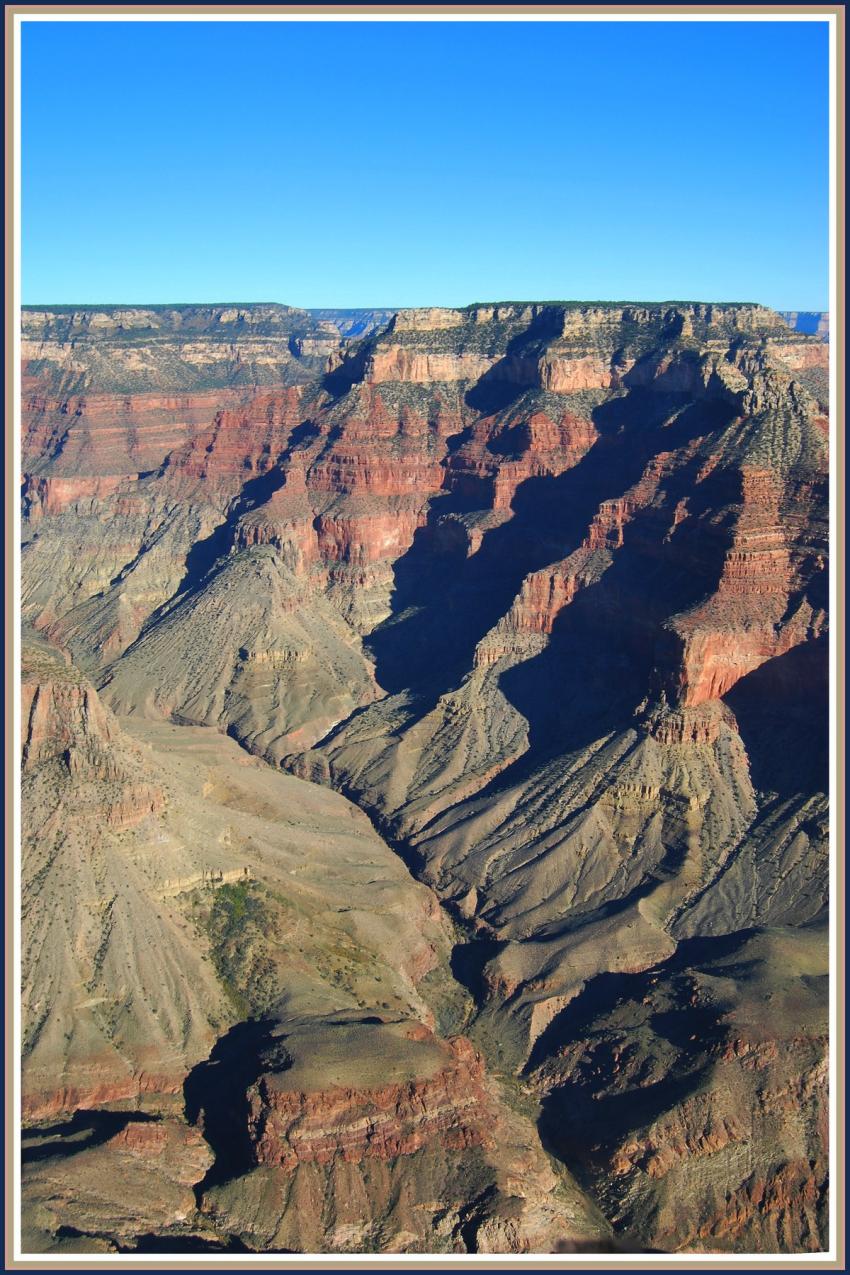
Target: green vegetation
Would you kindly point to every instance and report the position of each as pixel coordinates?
(41, 665)
(236, 924)
(452, 1004)
(233, 905)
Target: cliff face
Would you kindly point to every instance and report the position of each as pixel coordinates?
(544, 589)
(712, 1139)
(371, 1135)
(396, 1115)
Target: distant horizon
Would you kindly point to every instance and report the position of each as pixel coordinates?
(431, 161)
(495, 301)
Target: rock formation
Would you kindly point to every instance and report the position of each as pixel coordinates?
(542, 589)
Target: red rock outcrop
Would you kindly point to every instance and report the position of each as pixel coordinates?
(542, 587)
(239, 443)
(143, 1172)
(745, 622)
(64, 720)
(379, 1121)
(106, 434)
(292, 1127)
(503, 453)
(713, 1139)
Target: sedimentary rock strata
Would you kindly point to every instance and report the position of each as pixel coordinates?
(542, 589)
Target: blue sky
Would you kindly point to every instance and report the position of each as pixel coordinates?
(347, 164)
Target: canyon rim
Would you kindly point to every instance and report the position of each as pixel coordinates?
(425, 779)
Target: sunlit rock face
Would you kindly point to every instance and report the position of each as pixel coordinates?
(541, 589)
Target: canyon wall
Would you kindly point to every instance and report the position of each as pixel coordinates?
(542, 588)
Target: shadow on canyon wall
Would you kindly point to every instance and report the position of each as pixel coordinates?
(84, 1129)
(782, 710)
(416, 648)
(216, 1097)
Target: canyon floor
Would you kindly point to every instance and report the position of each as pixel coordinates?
(425, 780)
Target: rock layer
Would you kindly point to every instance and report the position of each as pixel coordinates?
(544, 589)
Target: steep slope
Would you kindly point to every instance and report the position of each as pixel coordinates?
(253, 650)
(370, 1135)
(693, 522)
(117, 999)
(695, 1097)
(543, 588)
(185, 908)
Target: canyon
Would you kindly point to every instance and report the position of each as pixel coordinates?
(425, 779)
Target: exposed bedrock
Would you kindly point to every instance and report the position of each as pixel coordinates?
(543, 590)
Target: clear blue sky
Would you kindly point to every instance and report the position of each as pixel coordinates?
(346, 164)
